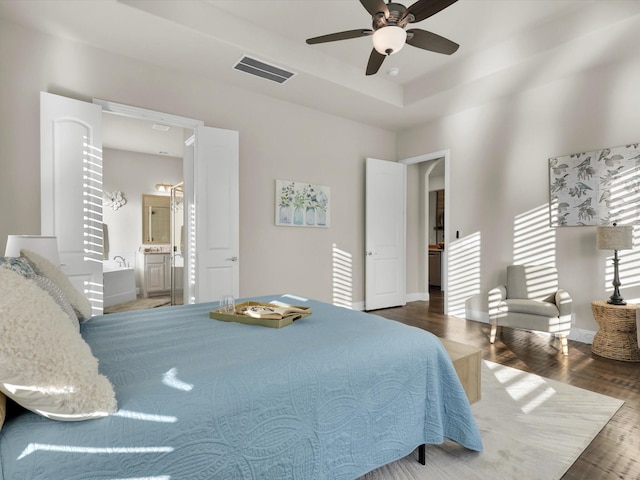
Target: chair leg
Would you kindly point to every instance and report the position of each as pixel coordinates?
(494, 330)
(565, 344)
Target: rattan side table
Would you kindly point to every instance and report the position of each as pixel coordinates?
(617, 337)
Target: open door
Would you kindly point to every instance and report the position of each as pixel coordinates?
(215, 237)
(385, 234)
(71, 196)
(71, 189)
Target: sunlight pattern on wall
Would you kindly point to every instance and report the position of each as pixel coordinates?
(92, 218)
(191, 254)
(624, 205)
(623, 200)
(342, 278)
(534, 241)
(464, 273)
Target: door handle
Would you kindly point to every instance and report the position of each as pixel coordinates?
(368, 254)
(232, 259)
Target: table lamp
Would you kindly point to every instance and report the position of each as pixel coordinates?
(615, 238)
(42, 245)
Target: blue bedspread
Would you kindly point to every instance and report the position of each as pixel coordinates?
(331, 396)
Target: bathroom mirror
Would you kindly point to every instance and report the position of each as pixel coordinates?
(156, 220)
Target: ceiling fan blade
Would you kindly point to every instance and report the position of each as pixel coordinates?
(375, 6)
(375, 61)
(423, 9)
(333, 37)
(430, 41)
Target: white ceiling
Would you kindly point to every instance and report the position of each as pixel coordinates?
(506, 46)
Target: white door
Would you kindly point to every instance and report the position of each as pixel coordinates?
(71, 189)
(385, 255)
(216, 213)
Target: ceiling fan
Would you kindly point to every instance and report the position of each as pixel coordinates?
(389, 34)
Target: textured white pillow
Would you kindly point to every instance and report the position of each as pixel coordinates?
(45, 365)
(54, 292)
(44, 267)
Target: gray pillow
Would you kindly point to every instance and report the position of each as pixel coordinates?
(18, 264)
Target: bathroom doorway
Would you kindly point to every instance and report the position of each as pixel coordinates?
(142, 159)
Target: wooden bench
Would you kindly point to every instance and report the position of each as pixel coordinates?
(466, 360)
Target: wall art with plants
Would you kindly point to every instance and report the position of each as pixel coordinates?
(302, 204)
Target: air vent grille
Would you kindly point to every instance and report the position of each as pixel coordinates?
(264, 70)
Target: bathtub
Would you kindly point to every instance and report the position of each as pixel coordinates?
(119, 283)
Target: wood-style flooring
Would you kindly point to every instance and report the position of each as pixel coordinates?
(615, 452)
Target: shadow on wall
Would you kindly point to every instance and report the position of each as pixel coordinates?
(534, 243)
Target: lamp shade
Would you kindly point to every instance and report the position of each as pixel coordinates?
(389, 40)
(616, 237)
(44, 246)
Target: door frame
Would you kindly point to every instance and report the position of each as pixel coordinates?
(446, 156)
(188, 169)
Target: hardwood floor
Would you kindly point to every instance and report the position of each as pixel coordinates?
(615, 452)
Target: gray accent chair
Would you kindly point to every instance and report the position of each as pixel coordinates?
(531, 300)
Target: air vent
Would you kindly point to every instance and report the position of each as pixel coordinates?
(264, 70)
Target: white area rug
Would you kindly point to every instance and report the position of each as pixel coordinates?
(532, 428)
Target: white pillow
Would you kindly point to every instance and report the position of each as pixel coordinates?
(45, 365)
(54, 292)
(44, 267)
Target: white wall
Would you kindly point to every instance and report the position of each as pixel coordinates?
(277, 141)
(499, 171)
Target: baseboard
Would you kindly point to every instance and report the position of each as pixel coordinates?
(577, 334)
(582, 336)
(476, 315)
(358, 306)
(417, 297)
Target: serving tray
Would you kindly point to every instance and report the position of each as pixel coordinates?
(264, 322)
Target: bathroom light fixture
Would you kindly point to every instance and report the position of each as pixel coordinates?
(161, 128)
(163, 187)
(389, 40)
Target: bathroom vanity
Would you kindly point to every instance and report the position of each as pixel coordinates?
(154, 273)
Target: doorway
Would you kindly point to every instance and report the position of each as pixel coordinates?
(211, 174)
(143, 161)
(434, 175)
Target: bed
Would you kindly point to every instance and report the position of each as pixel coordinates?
(331, 396)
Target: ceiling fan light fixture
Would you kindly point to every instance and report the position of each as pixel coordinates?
(389, 40)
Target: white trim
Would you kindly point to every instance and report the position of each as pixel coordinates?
(188, 169)
(417, 297)
(446, 155)
(359, 306)
(143, 113)
(583, 336)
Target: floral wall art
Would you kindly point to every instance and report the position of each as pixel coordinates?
(595, 188)
(302, 204)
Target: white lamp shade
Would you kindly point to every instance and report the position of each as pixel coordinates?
(44, 246)
(389, 40)
(618, 237)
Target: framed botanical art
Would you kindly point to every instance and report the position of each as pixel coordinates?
(302, 204)
(599, 187)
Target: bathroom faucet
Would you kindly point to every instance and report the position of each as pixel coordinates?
(122, 263)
